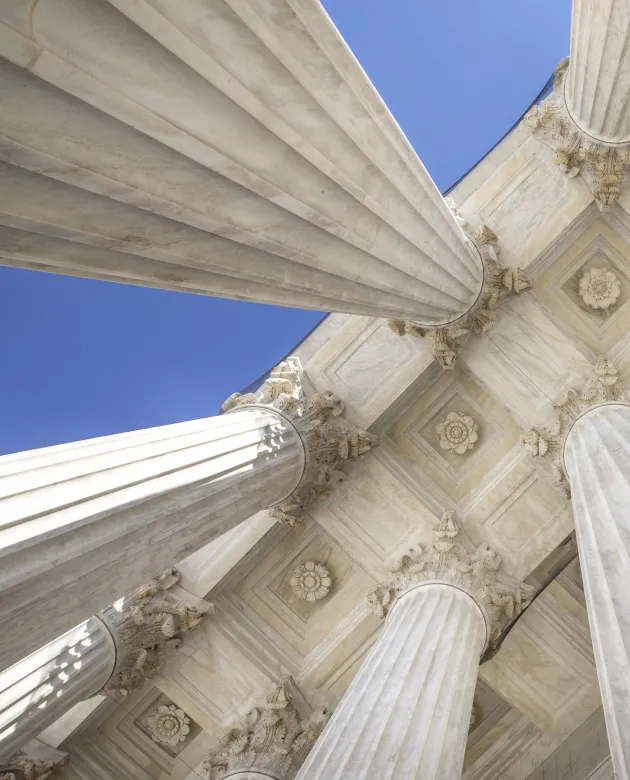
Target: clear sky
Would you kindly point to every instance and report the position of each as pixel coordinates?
(82, 358)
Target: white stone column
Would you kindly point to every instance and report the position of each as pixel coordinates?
(598, 83)
(112, 652)
(226, 148)
(597, 460)
(407, 713)
(81, 524)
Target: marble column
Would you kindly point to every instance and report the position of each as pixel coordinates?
(225, 148)
(81, 524)
(112, 652)
(271, 741)
(407, 712)
(598, 82)
(597, 461)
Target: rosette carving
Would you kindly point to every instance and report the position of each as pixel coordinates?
(476, 572)
(329, 442)
(499, 282)
(146, 627)
(603, 167)
(273, 738)
(599, 288)
(457, 432)
(168, 725)
(310, 581)
(546, 443)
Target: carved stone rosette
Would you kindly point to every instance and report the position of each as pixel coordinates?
(274, 738)
(499, 283)
(603, 166)
(546, 443)
(146, 626)
(21, 767)
(446, 560)
(329, 443)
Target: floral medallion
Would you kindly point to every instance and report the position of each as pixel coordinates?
(599, 288)
(310, 581)
(168, 725)
(457, 432)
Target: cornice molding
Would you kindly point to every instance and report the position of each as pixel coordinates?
(329, 442)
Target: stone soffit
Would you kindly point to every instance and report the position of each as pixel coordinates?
(541, 686)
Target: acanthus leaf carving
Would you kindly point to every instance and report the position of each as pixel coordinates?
(23, 767)
(604, 167)
(499, 282)
(273, 737)
(546, 443)
(329, 442)
(446, 560)
(146, 627)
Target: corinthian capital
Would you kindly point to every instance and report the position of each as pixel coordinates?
(273, 738)
(329, 441)
(146, 627)
(446, 560)
(499, 282)
(603, 166)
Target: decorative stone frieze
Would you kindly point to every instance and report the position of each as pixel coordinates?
(500, 282)
(457, 432)
(274, 738)
(329, 443)
(22, 767)
(599, 288)
(146, 627)
(446, 560)
(546, 443)
(168, 725)
(310, 581)
(603, 166)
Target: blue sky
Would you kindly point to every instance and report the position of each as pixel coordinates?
(82, 358)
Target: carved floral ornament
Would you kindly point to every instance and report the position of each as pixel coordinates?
(457, 432)
(546, 443)
(602, 166)
(476, 572)
(599, 288)
(499, 283)
(310, 581)
(274, 738)
(146, 626)
(329, 442)
(21, 767)
(168, 725)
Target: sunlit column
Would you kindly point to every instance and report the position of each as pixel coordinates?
(227, 148)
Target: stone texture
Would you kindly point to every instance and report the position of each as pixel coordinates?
(597, 458)
(277, 175)
(86, 522)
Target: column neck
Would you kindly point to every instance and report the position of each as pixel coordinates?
(447, 562)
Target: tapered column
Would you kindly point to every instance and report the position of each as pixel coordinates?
(597, 89)
(81, 524)
(226, 148)
(113, 652)
(407, 712)
(597, 460)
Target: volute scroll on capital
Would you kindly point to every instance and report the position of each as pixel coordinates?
(446, 560)
(499, 282)
(546, 443)
(328, 440)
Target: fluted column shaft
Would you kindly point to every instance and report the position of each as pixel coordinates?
(407, 712)
(81, 524)
(597, 90)
(35, 692)
(226, 148)
(597, 460)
